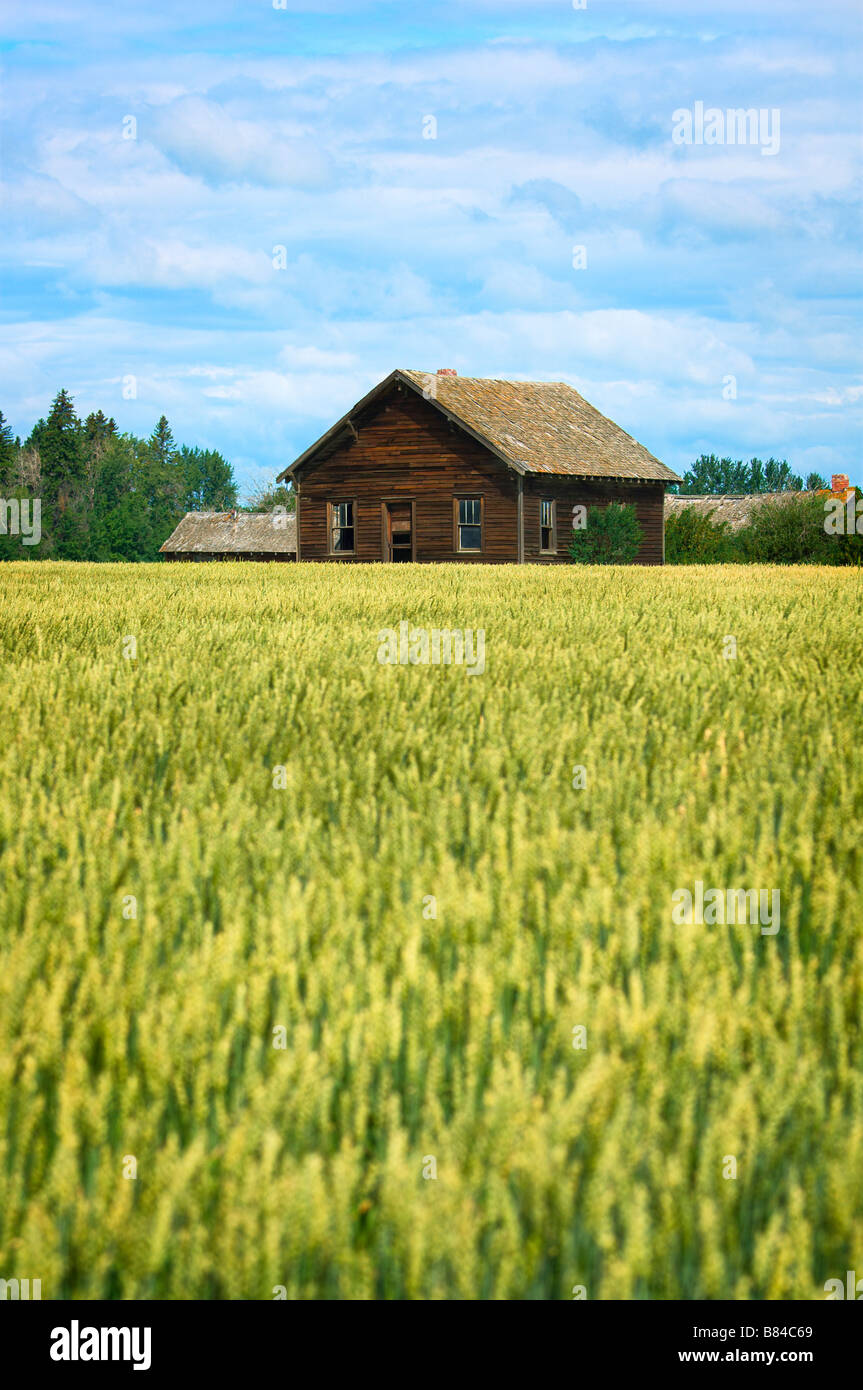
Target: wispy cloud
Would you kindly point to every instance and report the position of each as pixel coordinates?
(239, 206)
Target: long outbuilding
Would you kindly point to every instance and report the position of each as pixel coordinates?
(233, 535)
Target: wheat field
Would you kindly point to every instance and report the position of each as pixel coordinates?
(320, 978)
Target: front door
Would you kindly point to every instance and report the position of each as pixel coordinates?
(398, 532)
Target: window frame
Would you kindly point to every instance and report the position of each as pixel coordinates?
(457, 525)
(552, 549)
(331, 505)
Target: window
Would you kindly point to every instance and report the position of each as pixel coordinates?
(547, 526)
(342, 528)
(468, 523)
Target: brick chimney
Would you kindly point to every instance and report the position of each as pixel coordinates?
(447, 371)
(839, 482)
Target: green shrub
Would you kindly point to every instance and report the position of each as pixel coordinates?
(790, 531)
(612, 536)
(848, 545)
(693, 538)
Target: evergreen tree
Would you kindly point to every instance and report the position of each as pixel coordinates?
(8, 453)
(36, 435)
(160, 482)
(60, 449)
(98, 431)
(161, 443)
(62, 462)
(120, 525)
(209, 481)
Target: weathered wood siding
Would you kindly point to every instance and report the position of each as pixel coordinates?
(648, 499)
(409, 450)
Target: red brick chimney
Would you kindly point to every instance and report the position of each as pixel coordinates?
(839, 482)
(447, 371)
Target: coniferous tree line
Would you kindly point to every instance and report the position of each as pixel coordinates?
(104, 494)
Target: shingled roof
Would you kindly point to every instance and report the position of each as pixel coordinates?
(735, 508)
(532, 426)
(233, 533)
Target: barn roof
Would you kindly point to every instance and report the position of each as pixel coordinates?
(735, 508)
(233, 533)
(532, 426)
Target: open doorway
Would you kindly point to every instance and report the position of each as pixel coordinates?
(398, 531)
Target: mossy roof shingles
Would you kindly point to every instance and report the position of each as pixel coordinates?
(543, 427)
(233, 533)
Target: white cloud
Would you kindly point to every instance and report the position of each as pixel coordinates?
(203, 138)
(154, 256)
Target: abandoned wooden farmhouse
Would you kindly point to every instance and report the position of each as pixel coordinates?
(436, 467)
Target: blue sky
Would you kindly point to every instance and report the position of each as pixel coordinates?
(303, 127)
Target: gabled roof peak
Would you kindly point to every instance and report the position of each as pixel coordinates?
(533, 427)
